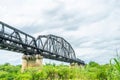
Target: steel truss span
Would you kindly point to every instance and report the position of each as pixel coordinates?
(49, 46)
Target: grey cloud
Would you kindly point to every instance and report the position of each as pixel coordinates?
(65, 20)
(59, 18)
(78, 42)
(110, 45)
(32, 29)
(99, 44)
(73, 21)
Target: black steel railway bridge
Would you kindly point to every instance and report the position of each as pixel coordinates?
(49, 46)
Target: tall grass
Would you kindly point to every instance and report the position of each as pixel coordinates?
(117, 64)
(115, 68)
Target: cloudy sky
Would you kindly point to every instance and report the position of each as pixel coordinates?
(92, 27)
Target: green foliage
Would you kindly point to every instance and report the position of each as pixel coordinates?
(93, 64)
(91, 71)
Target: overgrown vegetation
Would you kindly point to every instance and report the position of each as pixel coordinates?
(91, 71)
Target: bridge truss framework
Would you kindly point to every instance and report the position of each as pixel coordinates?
(48, 46)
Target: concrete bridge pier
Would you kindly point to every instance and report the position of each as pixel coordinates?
(39, 60)
(24, 62)
(31, 61)
(73, 65)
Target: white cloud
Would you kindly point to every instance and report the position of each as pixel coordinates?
(24, 12)
(10, 57)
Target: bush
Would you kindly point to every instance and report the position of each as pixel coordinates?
(92, 71)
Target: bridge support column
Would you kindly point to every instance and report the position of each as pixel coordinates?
(39, 60)
(24, 62)
(31, 61)
(72, 65)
